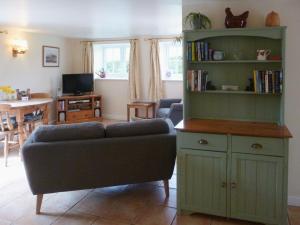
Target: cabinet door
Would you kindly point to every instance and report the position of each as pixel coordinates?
(202, 181)
(256, 188)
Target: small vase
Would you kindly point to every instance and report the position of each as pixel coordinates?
(273, 19)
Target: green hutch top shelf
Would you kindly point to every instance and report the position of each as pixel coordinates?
(238, 66)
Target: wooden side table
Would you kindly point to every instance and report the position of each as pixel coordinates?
(146, 105)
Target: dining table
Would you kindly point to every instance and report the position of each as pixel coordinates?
(21, 108)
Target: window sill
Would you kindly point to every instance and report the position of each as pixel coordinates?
(110, 79)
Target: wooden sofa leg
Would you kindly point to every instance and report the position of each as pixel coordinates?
(166, 185)
(39, 199)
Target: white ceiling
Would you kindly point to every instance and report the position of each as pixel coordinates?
(94, 18)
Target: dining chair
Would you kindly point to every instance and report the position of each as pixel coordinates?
(37, 116)
(8, 130)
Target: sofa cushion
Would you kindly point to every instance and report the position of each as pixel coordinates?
(137, 128)
(78, 131)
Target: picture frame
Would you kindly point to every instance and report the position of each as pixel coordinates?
(51, 56)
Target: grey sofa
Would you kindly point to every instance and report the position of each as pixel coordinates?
(83, 156)
(170, 108)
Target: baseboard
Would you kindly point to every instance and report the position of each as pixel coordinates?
(114, 116)
(294, 200)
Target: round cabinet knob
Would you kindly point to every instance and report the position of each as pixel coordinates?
(233, 185)
(203, 142)
(256, 146)
(224, 184)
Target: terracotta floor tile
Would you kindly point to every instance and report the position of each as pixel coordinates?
(224, 221)
(13, 191)
(18, 208)
(95, 203)
(159, 198)
(111, 190)
(194, 219)
(74, 217)
(67, 199)
(156, 215)
(102, 221)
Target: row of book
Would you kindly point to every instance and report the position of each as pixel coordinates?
(268, 81)
(199, 51)
(197, 80)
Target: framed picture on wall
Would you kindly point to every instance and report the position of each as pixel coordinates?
(50, 56)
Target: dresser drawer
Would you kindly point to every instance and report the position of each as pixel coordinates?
(84, 114)
(258, 145)
(203, 141)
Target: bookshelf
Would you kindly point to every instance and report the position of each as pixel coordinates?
(76, 109)
(233, 144)
(232, 71)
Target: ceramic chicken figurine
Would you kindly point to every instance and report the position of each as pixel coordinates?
(232, 21)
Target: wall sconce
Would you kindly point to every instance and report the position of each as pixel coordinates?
(19, 47)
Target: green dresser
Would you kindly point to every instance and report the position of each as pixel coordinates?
(238, 174)
(232, 145)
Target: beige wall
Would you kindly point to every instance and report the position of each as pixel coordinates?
(289, 12)
(26, 71)
(115, 92)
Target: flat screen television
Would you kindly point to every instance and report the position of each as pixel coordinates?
(78, 84)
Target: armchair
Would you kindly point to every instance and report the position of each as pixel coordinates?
(170, 108)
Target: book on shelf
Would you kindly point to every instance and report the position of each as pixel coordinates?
(198, 51)
(268, 81)
(197, 80)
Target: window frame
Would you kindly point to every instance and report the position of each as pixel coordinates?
(164, 78)
(112, 44)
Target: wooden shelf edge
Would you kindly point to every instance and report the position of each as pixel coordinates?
(232, 127)
(234, 61)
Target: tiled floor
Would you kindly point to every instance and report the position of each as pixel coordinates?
(143, 204)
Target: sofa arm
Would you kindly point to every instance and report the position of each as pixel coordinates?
(176, 113)
(166, 103)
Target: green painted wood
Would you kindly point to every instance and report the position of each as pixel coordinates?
(240, 47)
(202, 176)
(266, 32)
(261, 176)
(203, 141)
(269, 146)
(237, 61)
(262, 108)
(257, 195)
(236, 92)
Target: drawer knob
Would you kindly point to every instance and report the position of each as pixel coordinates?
(256, 146)
(233, 185)
(203, 142)
(224, 184)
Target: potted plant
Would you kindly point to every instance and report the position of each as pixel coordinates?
(198, 21)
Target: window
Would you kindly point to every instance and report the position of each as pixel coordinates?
(171, 60)
(111, 61)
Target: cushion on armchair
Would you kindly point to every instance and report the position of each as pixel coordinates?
(88, 130)
(137, 128)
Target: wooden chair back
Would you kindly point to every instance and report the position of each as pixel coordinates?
(40, 95)
(4, 116)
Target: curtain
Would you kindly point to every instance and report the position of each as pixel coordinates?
(155, 86)
(88, 57)
(134, 71)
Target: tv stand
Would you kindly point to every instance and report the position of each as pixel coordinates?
(77, 109)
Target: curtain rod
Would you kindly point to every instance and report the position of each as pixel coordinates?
(163, 38)
(110, 40)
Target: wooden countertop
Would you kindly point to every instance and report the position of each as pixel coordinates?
(241, 128)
